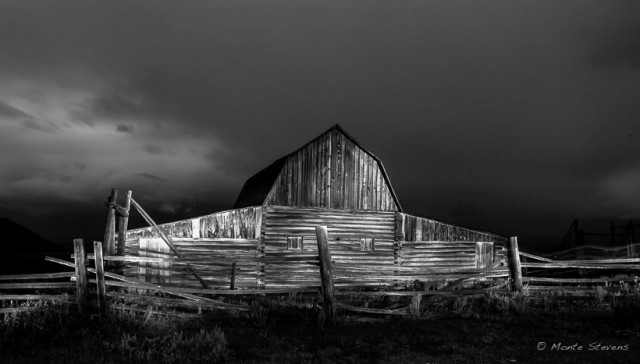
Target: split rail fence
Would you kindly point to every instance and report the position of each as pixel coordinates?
(521, 271)
(223, 267)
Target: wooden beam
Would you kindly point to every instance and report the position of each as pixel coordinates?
(536, 257)
(232, 285)
(110, 230)
(123, 225)
(81, 275)
(165, 239)
(514, 263)
(36, 276)
(102, 291)
(325, 275)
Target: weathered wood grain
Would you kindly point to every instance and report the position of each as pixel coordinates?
(82, 293)
(11, 277)
(39, 285)
(100, 281)
(316, 176)
(110, 230)
(515, 267)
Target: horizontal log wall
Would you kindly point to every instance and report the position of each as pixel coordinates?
(212, 259)
(332, 172)
(345, 228)
(436, 246)
(406, 248)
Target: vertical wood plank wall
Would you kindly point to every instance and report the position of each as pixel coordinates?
(332, 172)
(242, 223)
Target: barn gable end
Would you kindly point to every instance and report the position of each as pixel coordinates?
(331, 171)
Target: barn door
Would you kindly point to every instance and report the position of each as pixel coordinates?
(155, 248)
(484, 254)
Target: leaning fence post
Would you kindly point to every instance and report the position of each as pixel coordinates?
(102, 291)
(81, 275)
(326, 278)
(514, 263)
(123, 224)
(110, 230)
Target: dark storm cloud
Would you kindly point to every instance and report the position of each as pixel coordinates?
(618, 45)
(123, 128)
(8, 112)
(151, 177)
(490, 112)
(152, 149)
(621, 48)
(11, 112)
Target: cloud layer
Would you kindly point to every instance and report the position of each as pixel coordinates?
(492, 114)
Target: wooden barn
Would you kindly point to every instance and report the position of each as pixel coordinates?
(268, 239)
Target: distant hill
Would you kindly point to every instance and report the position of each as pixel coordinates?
(23, 251)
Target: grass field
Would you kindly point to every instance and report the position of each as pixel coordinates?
(478, 333)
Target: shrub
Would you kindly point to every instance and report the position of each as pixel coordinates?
(203, 346)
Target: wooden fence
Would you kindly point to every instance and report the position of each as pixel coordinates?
(43, 286)
(93, 285)
(589, 281)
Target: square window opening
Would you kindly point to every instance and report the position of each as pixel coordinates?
(367, 244)
(294, 243)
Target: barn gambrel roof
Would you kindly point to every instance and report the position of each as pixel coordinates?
(373, 191)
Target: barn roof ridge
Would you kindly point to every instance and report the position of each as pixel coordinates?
(268, 175)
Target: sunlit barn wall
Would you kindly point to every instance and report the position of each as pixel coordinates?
(431, 243)
(345, 229)
(211, 243)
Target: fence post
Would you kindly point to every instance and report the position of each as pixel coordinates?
(102, 291)
(514, 263)
(326, 278)
(233, 276)
(110, 230)
(631, 251)
(81, 275)
(123, 224)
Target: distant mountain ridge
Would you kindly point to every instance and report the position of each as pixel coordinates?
(23, 251)
(15, 238)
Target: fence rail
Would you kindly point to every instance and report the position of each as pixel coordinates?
(323, 273)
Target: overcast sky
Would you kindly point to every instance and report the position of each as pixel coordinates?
(509, 116)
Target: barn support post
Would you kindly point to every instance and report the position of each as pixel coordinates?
(514, 263)
(102, 291)
(81, 275)
(123, 222)
(326, 278)
(232, 285)
(631, 251)
(415, 303)
(110, 230)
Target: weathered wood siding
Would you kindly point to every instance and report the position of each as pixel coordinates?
(212, 243)
(368, 248)
(416, 228)
(345, 228)
(437, 245)
(211, 258)
(332, 172)
(242, 223)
